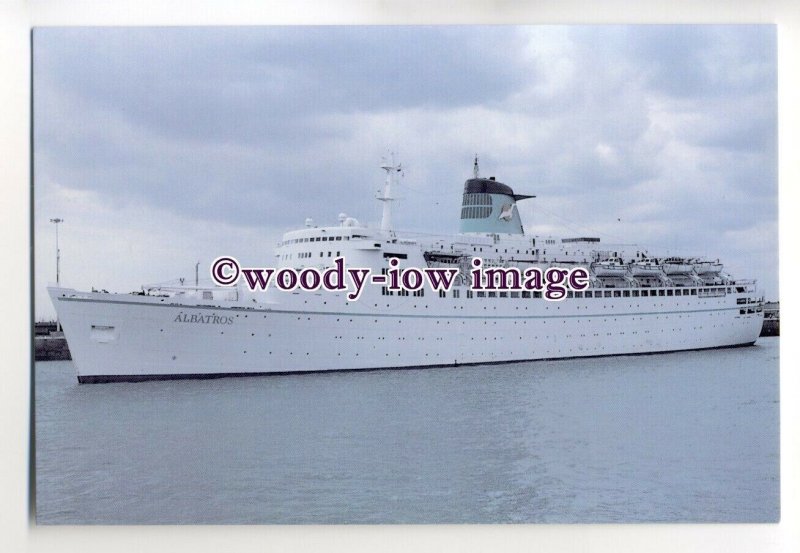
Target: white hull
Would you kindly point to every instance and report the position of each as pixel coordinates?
(116, 337)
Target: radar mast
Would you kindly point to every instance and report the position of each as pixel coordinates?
(386, 197)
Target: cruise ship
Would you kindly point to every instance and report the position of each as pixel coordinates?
(636, 303)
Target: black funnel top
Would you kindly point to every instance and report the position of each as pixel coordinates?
(491, 186)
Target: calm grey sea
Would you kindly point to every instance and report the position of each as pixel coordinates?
(677, 437)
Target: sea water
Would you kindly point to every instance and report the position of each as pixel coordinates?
(681, 437)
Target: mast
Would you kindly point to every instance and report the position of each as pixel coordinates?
(386, 197)
(475, 167)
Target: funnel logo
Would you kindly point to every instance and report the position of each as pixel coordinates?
(506, 212)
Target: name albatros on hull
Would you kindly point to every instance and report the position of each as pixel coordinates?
(636, 304)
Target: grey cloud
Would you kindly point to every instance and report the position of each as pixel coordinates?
(249, 84)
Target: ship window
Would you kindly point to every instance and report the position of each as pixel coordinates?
(669, 292)
(578, 294)
(661, 292)
(626, 294)
(537, 294)
(570, 294)
(320, 254)
(316, 239)
(685, 291)
(492, 294)
(455, 293)
(481, 294)
(469, 293)
(503, 294)
(617, 293)
(208, 295)
(338, 237)
(514, 294)
(329, 254)
(607, 294)
(526, 294)
(636, 293)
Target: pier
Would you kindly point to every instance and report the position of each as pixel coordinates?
(49, 344)
(772, 319)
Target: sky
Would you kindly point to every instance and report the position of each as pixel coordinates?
(162, 147)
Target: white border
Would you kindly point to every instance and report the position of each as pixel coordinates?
(17, 532)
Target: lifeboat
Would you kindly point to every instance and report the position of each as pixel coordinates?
(613, 267)
(646, 267)
(677, 266)
(708, 267)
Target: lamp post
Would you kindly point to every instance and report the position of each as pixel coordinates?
(56, 221)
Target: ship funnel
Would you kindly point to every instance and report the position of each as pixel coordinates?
(490, 207)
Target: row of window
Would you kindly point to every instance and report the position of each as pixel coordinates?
(456, 293)
(313, 239)
(305, 255)
(416, 293)
(750, 311)
(597, 293)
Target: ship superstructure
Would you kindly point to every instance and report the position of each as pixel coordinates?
(637, 303)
